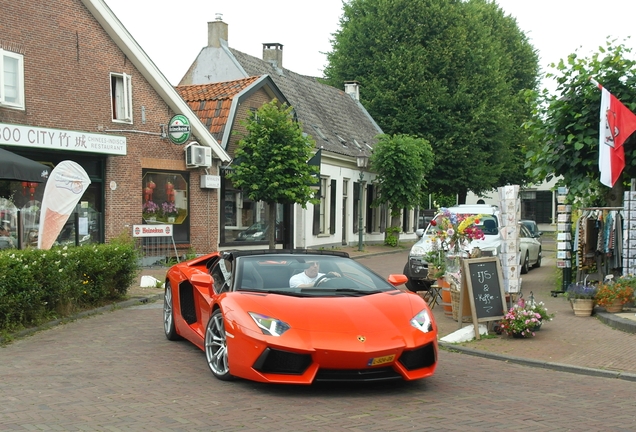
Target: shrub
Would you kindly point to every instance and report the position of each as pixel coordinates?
(37, 285)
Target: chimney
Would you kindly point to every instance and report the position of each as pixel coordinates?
(217, 30)
(273, 53)
(352, 88)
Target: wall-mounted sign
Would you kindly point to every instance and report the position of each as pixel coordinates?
(179, 129)
(152, 230)
(60, 139)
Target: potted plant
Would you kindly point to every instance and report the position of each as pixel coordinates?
(170, 211)
(540, 309)
(581, 296)
(520, 322)
(612, 295)
(150, 211)
(436, 260)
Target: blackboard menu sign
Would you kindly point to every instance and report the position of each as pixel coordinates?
(483, 280)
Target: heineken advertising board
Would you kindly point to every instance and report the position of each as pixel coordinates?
(179, 129)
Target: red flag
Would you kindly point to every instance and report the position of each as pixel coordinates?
(616, 125)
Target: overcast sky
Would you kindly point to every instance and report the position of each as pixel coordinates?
(173, 32)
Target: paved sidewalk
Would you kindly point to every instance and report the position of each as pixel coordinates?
(589, 345)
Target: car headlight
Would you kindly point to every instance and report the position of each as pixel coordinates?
(422, 321)
(418, 250)
(268, 325)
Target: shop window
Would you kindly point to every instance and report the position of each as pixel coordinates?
(165, 201)
(11, 79)
(121, 97)
(247, 221)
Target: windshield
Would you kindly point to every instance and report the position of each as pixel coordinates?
(307, 275)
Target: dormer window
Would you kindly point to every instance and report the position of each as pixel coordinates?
(121, 97)
(11, 79)
(319, 132)
(341, 139)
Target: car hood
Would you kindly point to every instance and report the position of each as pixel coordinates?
(375, 312)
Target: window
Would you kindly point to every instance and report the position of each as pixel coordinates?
(165, 200)
(245, 221)
(332, 208)
(121, 97)
(325, 193)
(11, 79)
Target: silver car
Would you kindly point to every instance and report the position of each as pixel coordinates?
(529, 249)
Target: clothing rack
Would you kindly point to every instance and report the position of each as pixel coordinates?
(600, 260)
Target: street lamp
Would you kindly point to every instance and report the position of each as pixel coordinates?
(362, 162)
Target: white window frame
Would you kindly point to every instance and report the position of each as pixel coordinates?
(121, 97)
(325, 188)
(19, 102)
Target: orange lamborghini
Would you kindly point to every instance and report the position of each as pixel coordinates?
(298, 317)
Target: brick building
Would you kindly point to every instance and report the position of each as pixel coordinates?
(76, 86)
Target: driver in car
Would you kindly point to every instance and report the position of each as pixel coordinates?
(310, 276)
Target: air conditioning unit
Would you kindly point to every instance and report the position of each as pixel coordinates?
(198, 156)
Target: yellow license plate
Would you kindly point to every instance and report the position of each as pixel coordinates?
(381, 360)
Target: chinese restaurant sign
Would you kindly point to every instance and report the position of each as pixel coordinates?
(58, 139)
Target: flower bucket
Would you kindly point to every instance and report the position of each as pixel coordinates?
(446, 297)
(615, 306)
(582, 307)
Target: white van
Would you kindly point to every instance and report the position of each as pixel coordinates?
(416, 269)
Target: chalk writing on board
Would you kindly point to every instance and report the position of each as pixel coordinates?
(485, 287)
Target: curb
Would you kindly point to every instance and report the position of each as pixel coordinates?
(108, 308)
(619, 323)
(560, 367)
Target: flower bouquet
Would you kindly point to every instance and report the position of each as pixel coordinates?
(454, 232)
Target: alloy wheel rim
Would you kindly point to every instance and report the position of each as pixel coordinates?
(216, 345)
(167, 311)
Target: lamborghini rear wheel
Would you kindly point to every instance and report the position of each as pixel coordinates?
(216, 347)
(168, 315)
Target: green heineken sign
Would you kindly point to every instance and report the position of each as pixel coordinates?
(179, 129)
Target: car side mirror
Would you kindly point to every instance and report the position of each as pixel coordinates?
(397, 279)
(540, 233)
(419, 232)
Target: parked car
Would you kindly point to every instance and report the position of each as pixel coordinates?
(347, 324)
(416, 268)
(258, 232)
(529, 249)
(533, 228)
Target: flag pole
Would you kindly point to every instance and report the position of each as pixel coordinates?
(595, 83)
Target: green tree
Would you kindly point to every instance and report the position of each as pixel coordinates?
(401, 163)
(453, 72)
(566, 124)
(271, 161)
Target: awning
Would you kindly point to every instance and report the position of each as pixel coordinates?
(16, 167)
